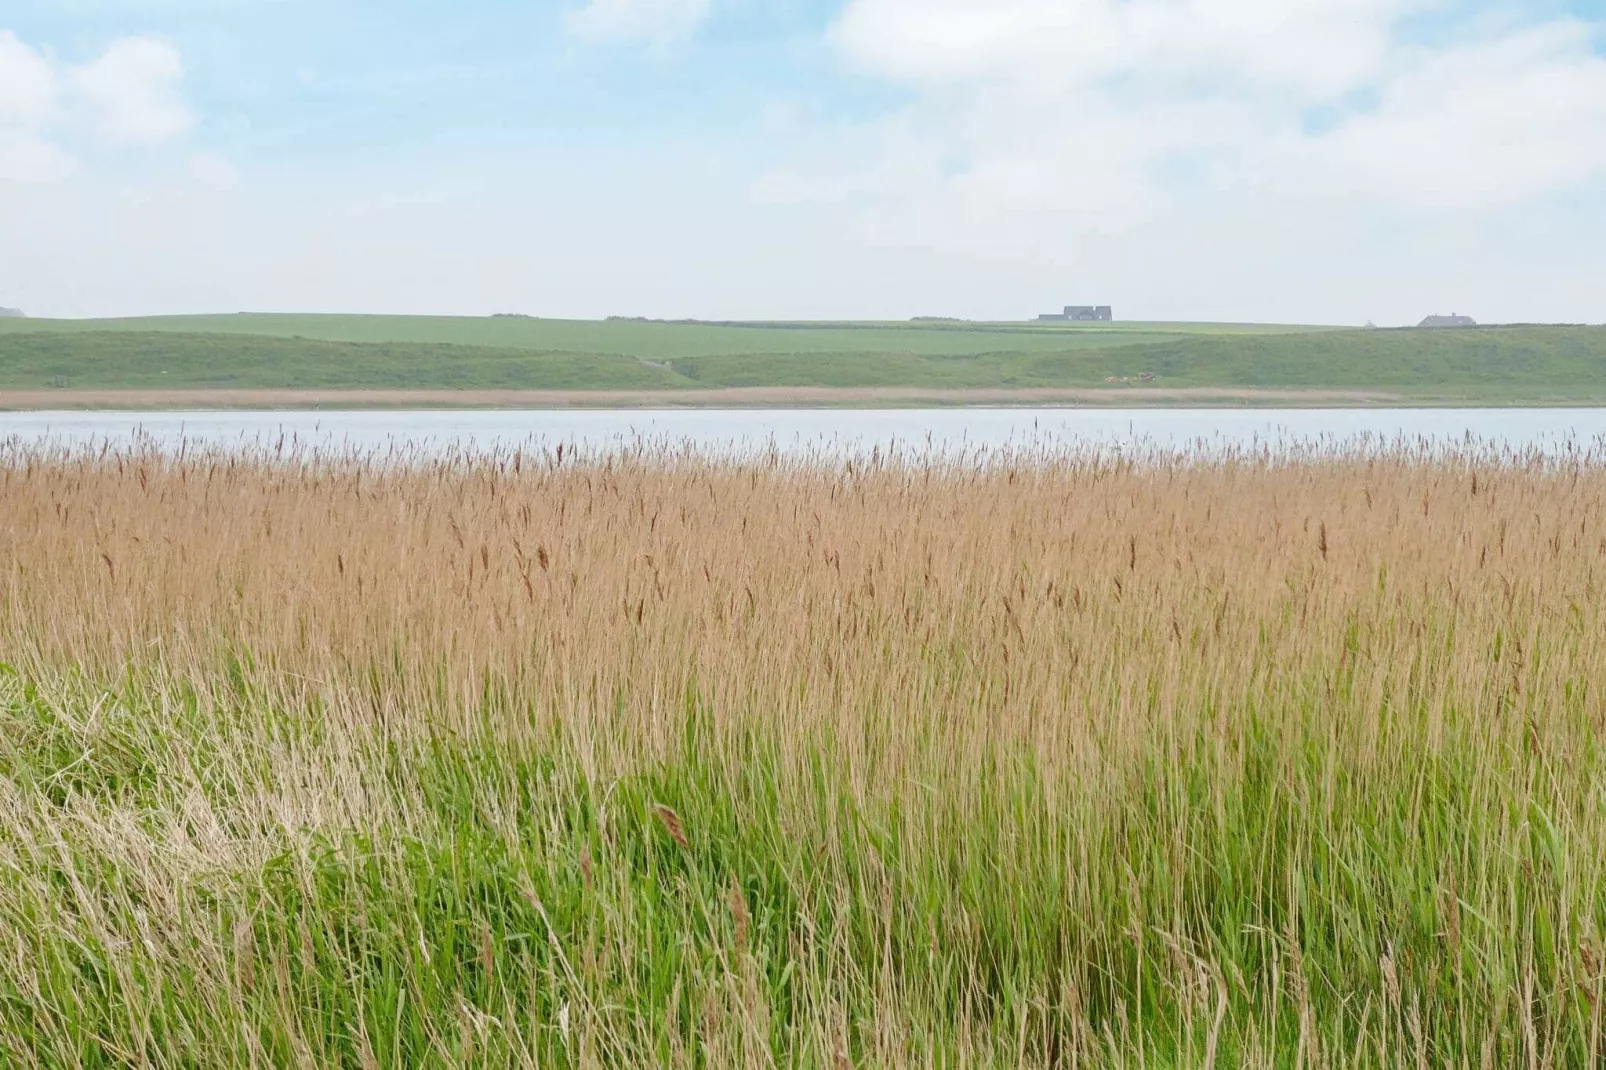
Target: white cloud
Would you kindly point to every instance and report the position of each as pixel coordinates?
(129, 95)
(638, 20)
(215, 172)
(1037, 119)
(1306, 46)
(133, 90)
(27, 82)
(27, 158)
(1486, 123)
(28, 87)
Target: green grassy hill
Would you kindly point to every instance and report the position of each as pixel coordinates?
(1487, 365)
(656, 340)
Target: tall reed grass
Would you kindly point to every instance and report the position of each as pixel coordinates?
(652, 758)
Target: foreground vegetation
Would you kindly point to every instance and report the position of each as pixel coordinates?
(656, 760)
(1488, 366)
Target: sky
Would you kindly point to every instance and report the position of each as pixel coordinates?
(1300, 161)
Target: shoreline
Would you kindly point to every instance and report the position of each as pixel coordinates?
(731, 398)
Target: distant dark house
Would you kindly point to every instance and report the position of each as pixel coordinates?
(1451, 320)
(1090, 313)
(1081, 314)
(11, 314)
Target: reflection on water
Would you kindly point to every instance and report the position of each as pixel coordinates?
(943, 431)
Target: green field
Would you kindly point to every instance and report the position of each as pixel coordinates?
(1547, 365)
(656, 340)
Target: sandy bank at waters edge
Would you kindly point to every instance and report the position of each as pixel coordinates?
(742, 397)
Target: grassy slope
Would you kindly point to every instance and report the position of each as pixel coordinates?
(1543, 365)
(651, 341)
(1539, 364)
(181, 361)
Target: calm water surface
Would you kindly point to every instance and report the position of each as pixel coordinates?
(828, 430)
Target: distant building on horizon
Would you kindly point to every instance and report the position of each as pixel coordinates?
(1452, 320)
(12, 314)
(1080, 314)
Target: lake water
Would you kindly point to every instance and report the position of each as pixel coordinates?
(944, 431)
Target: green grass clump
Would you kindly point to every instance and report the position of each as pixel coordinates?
(1252, 895)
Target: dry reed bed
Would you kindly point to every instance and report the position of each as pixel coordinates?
(1138, 639)
(1052, 603)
